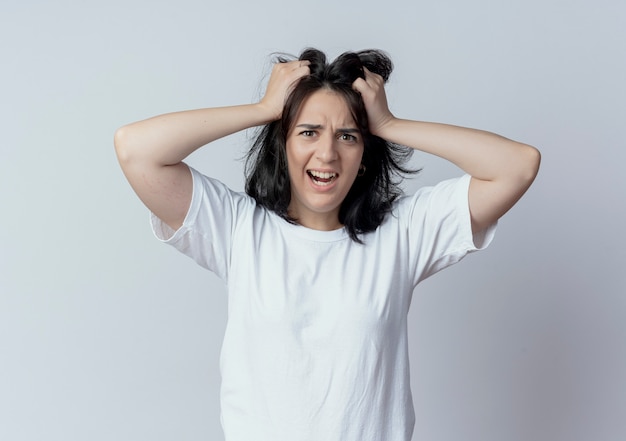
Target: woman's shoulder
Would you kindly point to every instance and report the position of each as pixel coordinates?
(431, 197)
(212, 186)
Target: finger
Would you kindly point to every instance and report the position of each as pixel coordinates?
(297, 64)
(360, 85)
(304, 65)
(302, 69)
(373, 78)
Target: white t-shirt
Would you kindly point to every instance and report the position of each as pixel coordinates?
(316, 347)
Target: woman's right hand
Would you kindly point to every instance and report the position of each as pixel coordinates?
(282, 80)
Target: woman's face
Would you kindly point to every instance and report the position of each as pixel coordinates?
(324, 151)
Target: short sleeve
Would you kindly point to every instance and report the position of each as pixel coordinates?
(439, 227)
(207, 231)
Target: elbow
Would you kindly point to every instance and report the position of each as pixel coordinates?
(523, 169)
(122, 147)
(531, 162)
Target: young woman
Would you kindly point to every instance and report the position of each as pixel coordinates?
(322, 254)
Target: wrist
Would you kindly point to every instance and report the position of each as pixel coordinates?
(384, 127)
(267, 112)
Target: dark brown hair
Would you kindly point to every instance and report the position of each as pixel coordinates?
(371, 196)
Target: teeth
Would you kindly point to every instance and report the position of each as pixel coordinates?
(323, 175)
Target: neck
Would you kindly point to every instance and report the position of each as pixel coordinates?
(317, 221)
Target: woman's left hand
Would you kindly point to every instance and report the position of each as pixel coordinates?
(372, 90)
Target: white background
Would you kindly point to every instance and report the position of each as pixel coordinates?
(106, 334)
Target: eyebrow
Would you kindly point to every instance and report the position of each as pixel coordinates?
(319, 126)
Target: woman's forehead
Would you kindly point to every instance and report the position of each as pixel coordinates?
(325, 106)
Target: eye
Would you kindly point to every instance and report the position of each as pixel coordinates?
(307, 133)
(348, 137)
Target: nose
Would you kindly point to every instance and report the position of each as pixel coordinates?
(327, 149)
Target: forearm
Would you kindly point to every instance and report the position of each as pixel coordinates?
(168, 139)
(483, 155)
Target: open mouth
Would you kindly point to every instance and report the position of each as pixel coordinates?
(322, 178)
